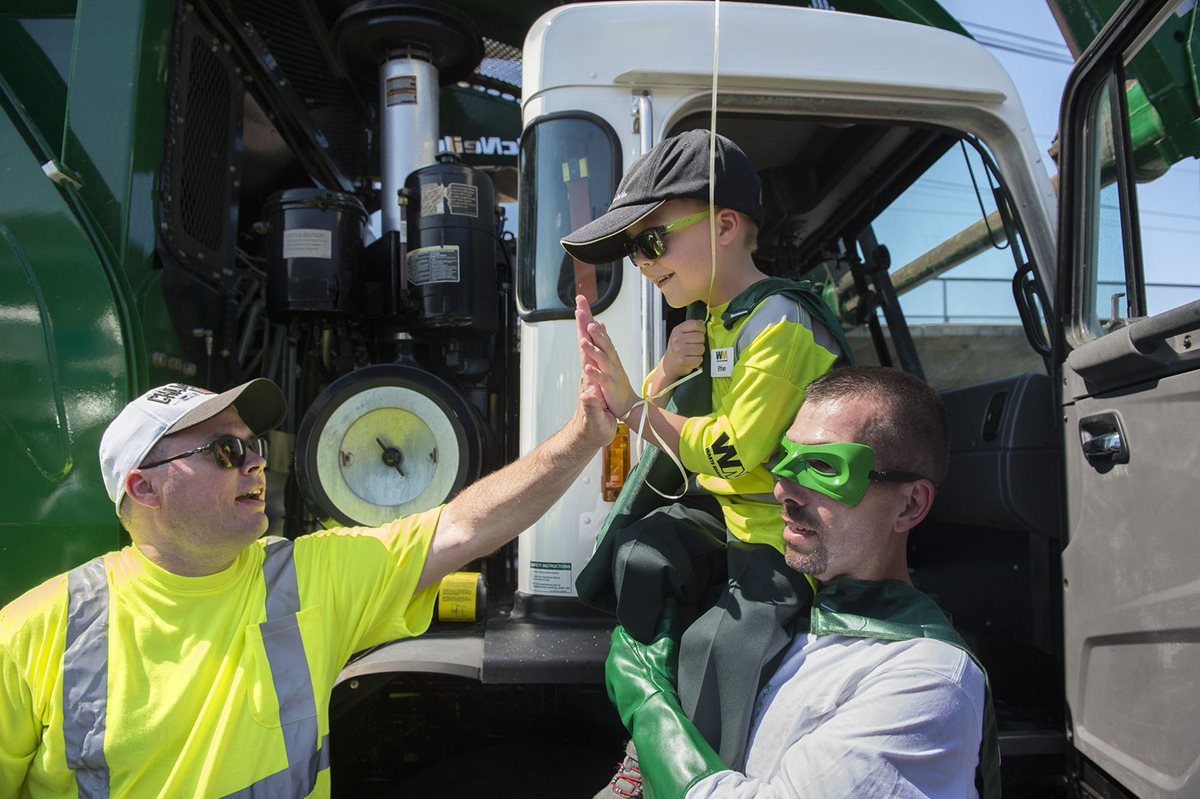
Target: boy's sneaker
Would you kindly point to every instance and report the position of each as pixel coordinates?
(627, 782)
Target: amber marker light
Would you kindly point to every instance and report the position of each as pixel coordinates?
(616, 463)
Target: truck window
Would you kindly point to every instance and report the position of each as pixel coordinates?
(568, 172)
(952, 266)
(1142, 233)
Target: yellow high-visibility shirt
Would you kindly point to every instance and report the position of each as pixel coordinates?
(191, 704)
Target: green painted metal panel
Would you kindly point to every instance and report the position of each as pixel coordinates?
(34, 61)
(1164, 104)
(115, 110)
(39, 8)
(63, 368)
(78, 270)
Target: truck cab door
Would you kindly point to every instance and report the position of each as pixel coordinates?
(1129, 360)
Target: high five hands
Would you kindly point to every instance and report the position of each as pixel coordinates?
(601, 364)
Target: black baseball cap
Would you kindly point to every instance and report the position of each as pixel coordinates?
(674, 168)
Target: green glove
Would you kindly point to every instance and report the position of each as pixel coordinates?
(672, 754)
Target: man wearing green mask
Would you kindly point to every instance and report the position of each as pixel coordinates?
(876, 695)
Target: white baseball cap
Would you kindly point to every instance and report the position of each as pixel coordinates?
(174, 407)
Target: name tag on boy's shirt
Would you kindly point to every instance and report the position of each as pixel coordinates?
(722, 362)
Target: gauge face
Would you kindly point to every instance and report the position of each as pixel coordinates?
(373, 453)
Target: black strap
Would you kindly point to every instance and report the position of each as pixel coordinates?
(730, 650)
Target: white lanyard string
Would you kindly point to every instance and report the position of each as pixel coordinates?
(644, 403)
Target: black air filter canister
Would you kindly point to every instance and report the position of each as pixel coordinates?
(452, 248)
(313, 246)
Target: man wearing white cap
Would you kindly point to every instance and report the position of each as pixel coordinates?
(199, 661)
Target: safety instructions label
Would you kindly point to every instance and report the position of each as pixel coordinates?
(459, 199)
(550, 578)
(433, 265)
(307, 243)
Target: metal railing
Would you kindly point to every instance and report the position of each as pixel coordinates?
(1004, 284)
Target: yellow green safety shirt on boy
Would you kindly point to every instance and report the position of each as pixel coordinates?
(194, 666)
(753, 406)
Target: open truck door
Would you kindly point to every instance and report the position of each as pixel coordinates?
(1130, 379)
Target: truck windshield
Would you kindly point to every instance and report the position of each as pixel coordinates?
(568, 172)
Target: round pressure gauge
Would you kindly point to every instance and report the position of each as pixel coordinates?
(384, 442)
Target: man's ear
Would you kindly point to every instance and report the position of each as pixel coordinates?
(142, 490)
(919, 500)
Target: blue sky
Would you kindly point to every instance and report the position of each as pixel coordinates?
(1040, 71)
(1024, 37)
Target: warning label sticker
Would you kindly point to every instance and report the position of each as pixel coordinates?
(433, 265)
(550, 578)
(456, 598)
(463, 199)
(433, 195)
(402, 90)
(460, 199)
(307, 243)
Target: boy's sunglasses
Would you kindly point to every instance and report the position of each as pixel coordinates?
(228, 451)
(650, 242)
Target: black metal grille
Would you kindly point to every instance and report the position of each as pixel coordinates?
(501, 64)
(198, 185)
(203, 183)
(301, 52)
(283, 28)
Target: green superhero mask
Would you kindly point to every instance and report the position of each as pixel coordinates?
(842, 471)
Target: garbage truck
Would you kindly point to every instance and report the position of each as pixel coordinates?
(364, 202)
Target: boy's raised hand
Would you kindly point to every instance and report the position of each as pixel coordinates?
(601, 363)
(685, 350)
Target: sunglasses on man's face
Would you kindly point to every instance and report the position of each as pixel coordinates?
(651, 242)
(229, 451)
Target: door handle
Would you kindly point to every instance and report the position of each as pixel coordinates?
(1103, 446)
(1103, 440)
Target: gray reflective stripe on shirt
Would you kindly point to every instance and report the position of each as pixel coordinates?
(279, 573)
(290, 674)
(298, 779)
(85, 678)
(778, 308)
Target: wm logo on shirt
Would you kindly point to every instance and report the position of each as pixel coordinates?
(723, 456)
